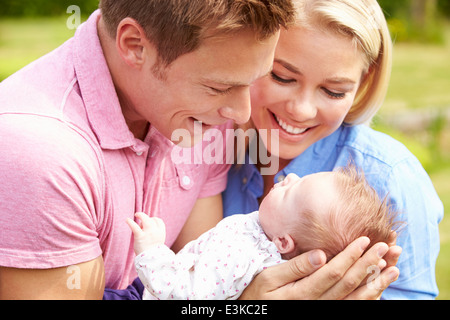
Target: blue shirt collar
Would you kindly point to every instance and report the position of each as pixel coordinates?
(313, 159)
(308, 162)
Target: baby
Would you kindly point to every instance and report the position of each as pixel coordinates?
(324, 211)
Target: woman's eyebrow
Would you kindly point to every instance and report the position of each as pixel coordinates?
(288, 66)
(340, 80)
(333, 80)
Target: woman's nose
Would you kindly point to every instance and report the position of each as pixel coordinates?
(302, 108)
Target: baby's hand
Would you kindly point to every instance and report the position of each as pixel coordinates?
(153, 232)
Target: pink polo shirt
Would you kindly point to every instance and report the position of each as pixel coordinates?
(71, 172)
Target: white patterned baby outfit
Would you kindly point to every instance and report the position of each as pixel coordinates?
(218, 265)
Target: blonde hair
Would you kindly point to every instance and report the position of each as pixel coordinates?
(177, 27)
(359, 212)
(364, 22)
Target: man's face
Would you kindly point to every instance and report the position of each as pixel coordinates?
(210, 85)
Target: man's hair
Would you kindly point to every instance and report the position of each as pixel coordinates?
(359, 212)
(177, 27)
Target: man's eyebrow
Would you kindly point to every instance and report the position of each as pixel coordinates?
(231, 83)
(227, 83)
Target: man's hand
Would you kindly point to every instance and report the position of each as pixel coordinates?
(153, 231)
(308, 277)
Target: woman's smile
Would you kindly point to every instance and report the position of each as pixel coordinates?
(289, 128)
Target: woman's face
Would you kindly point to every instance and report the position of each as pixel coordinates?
(315, 78)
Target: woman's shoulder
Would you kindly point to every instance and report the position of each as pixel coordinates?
(374, 144)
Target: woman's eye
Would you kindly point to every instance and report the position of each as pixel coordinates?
(281, 80)
(334, 95)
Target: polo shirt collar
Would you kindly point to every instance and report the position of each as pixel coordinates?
(97, 89)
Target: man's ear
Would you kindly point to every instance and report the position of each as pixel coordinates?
(285, 244)
(132, 43)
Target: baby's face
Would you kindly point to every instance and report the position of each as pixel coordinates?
(288, 199)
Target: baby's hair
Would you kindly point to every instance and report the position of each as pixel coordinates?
(359, 212)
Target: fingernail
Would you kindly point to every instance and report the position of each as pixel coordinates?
(382, 250)
(316, 258)
(364, 243)
(393, 274)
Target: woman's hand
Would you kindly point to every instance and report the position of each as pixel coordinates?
(373, 286)
(309, 277)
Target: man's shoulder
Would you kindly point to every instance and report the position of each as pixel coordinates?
(46, 142)
(40, 85)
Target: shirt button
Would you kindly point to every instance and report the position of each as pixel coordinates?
(186, 180)
(244, 180)
(139, 154)
(281, 178)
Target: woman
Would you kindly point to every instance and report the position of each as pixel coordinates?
(330, 77)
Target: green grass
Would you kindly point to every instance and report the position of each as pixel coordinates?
(426, 69)
(23, 41)
(441, 180)
(420, 76)
(420, 80)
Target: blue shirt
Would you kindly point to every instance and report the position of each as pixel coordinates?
(391, 170)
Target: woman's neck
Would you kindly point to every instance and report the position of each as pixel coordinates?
(268, 180)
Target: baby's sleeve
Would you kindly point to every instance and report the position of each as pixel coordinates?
(153, 267)
(196, 273)
(218, 265)
(166, 276)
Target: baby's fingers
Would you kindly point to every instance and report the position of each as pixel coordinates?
(135, 228)
(149, 223)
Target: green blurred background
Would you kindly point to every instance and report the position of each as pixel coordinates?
(416, 112)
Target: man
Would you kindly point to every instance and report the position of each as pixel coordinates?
(86, 136)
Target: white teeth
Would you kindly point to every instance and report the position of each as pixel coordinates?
(288, 128)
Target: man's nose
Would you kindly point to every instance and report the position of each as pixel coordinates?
(238, 107)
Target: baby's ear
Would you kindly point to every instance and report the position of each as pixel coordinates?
(285, 244)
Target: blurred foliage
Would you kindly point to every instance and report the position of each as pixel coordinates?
(33, 8)
(401, 14)
(395, 8)
(48, 8)
(416, 20)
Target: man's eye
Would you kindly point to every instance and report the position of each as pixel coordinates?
(220, 91)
